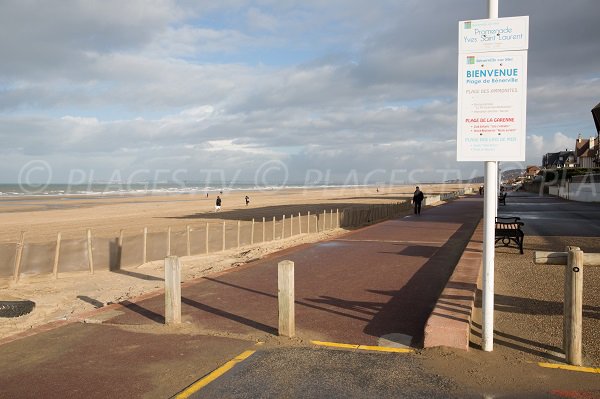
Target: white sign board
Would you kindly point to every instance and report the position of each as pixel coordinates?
(499, 34)
(492, 90)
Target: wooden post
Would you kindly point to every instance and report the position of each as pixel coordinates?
(223, 249)
(574, 296)
(308, 223)
(252, 233)
(330, 219)
(273, 239)
(19, 256)
(283, 227)
(120, 249)
(144, 245)
(206, 237)
(56, 256)
(291, 225)
(299, 223)
(337, 217)
(90, 251)
(187, 239)
(169, 241)
(172, 290)
(285, 294)
(238, 233)
(324, 218)
(264, 226)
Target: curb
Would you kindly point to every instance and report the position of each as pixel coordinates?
(450, 321)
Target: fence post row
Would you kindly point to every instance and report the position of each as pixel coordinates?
(350, 217)
(573, 259)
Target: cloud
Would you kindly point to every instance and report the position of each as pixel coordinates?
(340, 85)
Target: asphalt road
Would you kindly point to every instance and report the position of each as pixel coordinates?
(551, 216)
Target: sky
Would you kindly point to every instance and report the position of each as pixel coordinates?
(318, 92)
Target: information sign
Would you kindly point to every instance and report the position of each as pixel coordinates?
(492, 90)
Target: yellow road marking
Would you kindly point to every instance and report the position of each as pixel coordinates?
(201, 383)
(362, 347)
(570, 368)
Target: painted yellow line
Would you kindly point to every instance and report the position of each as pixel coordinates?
(384, 349)
(361, 347)
(201, 383)
(334, 344)
(570, 368)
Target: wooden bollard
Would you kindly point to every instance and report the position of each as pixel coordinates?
(308, 223)
(172, 290)
(263, 229)
(574, 297)
(273, 239)
(330, 219)
(291, 224)
(573, 261)
(324, 218)
(285, 294)
(169, 241)
(252, 233)
(56, 256)
(223, 248)
(145, 245)
(206, 237)
(19, 256)
(283, 226)
(187, 240)
(120, 249)
(239, 227)
(90, 251)
(299, 223)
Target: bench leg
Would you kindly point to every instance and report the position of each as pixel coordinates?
(521, 245)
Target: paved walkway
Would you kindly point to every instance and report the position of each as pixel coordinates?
(372, 286)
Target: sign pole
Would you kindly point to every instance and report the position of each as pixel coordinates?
(489, 213)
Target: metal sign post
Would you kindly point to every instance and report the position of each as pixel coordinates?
(492, 88)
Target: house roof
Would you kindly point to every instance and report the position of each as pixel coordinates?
(596, 115)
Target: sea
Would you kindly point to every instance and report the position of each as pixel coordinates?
(111, 189)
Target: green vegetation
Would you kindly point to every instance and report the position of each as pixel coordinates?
(557, 175)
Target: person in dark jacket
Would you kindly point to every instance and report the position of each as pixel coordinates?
(218, 204)
(417, 199)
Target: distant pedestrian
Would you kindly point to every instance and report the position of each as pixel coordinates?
(480, 190)
(417, 199)
(218, 204)
(206, 195)
(247, 200)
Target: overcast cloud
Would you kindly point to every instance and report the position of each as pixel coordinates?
(338, 88)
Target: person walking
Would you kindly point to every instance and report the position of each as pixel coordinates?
(247, 200)
(417, 199)
(218, 204)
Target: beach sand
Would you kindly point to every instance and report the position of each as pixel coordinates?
(74, 294)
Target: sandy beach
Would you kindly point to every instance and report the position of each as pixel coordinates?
(74, 294)
(42, 218)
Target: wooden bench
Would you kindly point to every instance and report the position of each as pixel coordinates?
(502, 199)
(508, 229)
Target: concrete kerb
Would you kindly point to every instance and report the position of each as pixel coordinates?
(450, 321)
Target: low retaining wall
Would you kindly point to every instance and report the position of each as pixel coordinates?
(582, 192)
(450, 321)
